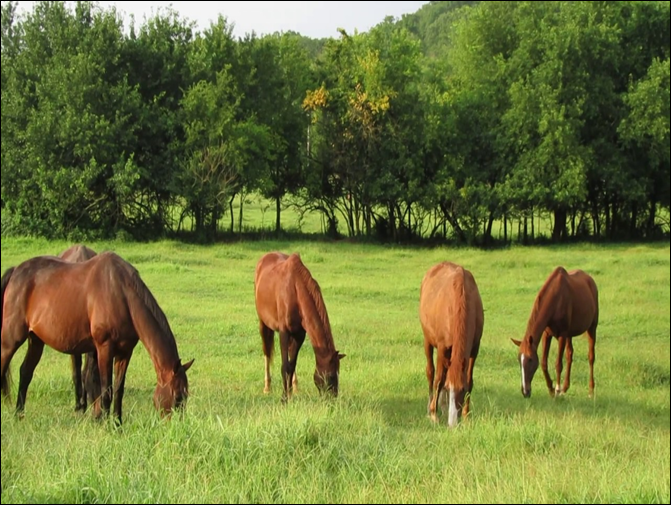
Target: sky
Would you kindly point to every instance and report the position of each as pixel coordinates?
(315, 19)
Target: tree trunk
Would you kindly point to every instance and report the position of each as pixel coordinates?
(505, 229)
(278, 209)
(634, 218)
(533, 230)
(230, 208)
(596, 222)
(242, 201)
(651, 218)
(559, 228)
(454, 223)
(488, 232)
(213, 223)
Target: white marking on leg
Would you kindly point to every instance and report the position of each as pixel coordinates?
(453, 409)
(266, 388)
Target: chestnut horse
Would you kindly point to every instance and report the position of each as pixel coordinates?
(452, 319)
(100, 305)
(289, 301)
(566, 306)
(87, 383)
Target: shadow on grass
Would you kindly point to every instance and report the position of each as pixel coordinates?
(404, 411)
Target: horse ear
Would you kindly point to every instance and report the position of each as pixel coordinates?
(516, 342)
(341, 356)
(188, 365)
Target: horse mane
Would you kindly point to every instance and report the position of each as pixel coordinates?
(540, 297)
(459, 331)
(314, 292)
(146, 296)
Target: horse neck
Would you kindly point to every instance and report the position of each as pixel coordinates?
(315, 321)
(153, 330)
(461, 331)
(542, 312)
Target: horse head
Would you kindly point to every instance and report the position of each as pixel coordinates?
(326, 377)
(528, 360)
(172, 393)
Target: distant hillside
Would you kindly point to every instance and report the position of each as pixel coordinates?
(431, 24)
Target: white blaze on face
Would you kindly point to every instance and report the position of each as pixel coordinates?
(522, 367)
(452, 421)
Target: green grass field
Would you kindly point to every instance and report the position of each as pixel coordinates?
(374, 443)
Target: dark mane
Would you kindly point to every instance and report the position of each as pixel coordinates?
(540, 297)
(150, 302)
(313, 289)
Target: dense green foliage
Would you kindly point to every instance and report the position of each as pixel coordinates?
(438, 125)
(374, 443)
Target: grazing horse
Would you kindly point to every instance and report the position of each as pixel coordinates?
(100, 305)
(87, 383)
(289, 301)
(567, 305)
(452, 319)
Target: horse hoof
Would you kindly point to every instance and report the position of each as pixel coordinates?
(266, 390)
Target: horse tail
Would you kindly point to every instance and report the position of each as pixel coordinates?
(6, 376)
(455, 374)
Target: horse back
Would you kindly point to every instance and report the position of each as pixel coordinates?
(451, 306)
(275, 291)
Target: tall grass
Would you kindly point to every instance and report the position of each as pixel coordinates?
(374, 443)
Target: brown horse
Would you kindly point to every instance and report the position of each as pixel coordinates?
(100, 305)
(452, 318)
(567, 305)
(289, 301)
(87, 383)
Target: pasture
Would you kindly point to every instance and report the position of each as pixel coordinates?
(374, 443)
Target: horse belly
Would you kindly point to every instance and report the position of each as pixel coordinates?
(63, 335)
(582, 317)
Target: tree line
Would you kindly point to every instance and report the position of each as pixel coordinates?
(435, 125)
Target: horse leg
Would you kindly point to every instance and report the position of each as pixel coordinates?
(591, 340)
(469, 386)
(91, 380)
(105, 362)
(295, 344)
(285, 336)
(561, 344)
(430, 372)
(120, 367)
(439, 382)
(569, 362)
(80, 399)
(33, 356)
(268, 338)
(547, 340)
(10, 344)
